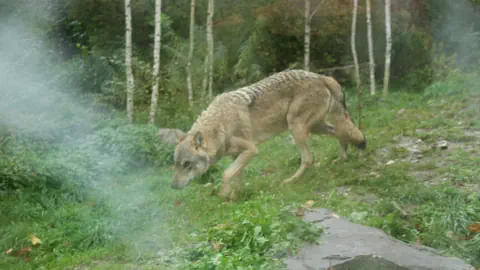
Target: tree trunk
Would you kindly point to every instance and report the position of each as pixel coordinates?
(210, 47)
(306, 60)
(156, 59)
(355, 58)
(205, 77)
(128, 60)
(190, 52)
(388, 51)
(370, 49)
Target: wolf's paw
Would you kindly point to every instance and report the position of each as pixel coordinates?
(288, 181)
(227, 193)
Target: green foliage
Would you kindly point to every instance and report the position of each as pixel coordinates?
(75, 164)
(254, 236)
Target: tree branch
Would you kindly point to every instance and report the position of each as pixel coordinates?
(315, 10)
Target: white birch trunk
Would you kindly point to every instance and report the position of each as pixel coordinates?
(205, 77)
(388, 50)
(370, 49)
(355, 59)
(353, 46)
(156, 60)
(128, 60)
(306, 59)
(210, 47)
(190, 52)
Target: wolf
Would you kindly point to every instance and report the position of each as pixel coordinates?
(236, 122)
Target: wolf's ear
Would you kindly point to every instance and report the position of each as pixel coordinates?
(180, 135)
(199, 140)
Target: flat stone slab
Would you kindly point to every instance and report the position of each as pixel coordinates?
(345, 245)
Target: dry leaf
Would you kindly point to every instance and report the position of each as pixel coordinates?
(35, 240)
(309, 204)
(217, 246)
(335, 215)
(8, 251)
(474, 227)
(23, 251)
(178, 203)
(300, 212)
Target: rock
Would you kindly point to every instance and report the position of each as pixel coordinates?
(442, 144)
(345, 245)
(168, 135)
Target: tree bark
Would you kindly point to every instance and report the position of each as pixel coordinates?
(128, 60)
(210, 47)
(388, 50)
(190, 52)
(370, 49)
(156, 60)
(355, 58)
(306, 59)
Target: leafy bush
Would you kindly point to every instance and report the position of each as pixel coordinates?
(33, 163)
(254, 236)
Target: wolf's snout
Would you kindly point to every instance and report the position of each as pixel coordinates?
(362, 145)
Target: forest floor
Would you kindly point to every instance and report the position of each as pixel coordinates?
(418, 181)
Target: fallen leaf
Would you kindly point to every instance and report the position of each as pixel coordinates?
(300, 212)
(309, 204)
(23, 251)
(8, 251)
(35, 240)
(217, 246)
(178, 203)
(207, 184)
(474, 227)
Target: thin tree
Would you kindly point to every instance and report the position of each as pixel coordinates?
(209, 61)
(156, 60)
(370, 49)
(308, 30)
(190, 52)
(306, 58)
(355, 58)
(388, 50)
(128, 60)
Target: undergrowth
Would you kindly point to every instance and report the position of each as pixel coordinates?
(102, 198)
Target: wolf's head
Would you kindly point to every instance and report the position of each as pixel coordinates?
(350, 133)
(191, 158)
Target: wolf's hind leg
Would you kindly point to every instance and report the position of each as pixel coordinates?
(247, 150)
(300, 134)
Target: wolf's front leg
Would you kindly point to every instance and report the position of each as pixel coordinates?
(247, 150)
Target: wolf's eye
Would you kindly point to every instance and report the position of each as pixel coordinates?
(186, 164)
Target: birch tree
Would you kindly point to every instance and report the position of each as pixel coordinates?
(308, 30)
(208, 79)
(370, 49)
(306, 58)
(156, 60)
(355, 58)
(352, 44)
(190, 52)
(388, 50)
(128, 60)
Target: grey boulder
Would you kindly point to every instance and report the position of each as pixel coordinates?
(345, 245)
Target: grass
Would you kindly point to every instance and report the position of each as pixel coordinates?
(134, 219)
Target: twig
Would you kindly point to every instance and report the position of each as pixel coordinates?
(339, 68)
(315, 10)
